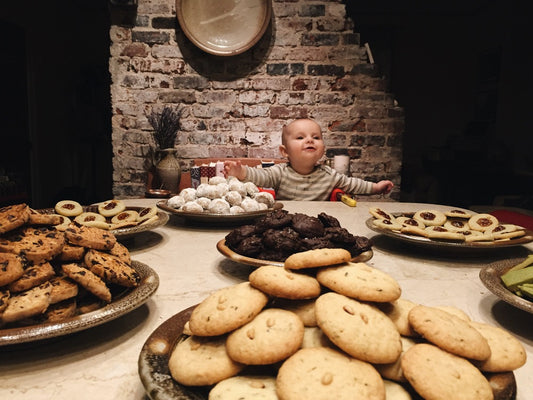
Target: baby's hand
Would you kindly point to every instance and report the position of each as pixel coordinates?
(234, 168)
(383, 187)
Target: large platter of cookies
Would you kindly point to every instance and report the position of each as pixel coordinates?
(56, 282)
(491, 274)
(111, 215)
(325, 327)
(454, 228)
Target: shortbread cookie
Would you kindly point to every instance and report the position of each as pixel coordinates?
(12, 217)
(456, 213)
(449, 332)
(503, 228)
(305, 309)
(32, 276)
(89, 216)
(317, 258)
(63, 224)
(249, 387)
(389, 224)
(68, 208)
(28, 304)
(430, 217)
(61, 311)
(98, 224)
(37, 218)
(361, 330)
(360, 281)
(508, 235)
(393, 371)
(93, 238)
(63, 288)
(227, 309)
(125, 216)
(315, 337)
(483, 222)
(36, 244)
(439, 232)
(111, 208)
(111, 269)
(395, 391)
(324, 373)
(507, 352)
(71, 252)
(477, 236)
(147, 213)
(398, 312)
(11, 268)
(273, 335)
(438, 375)
(122, 252)
(408, 221)
(88, 280)
(281, 282)
(200, 361)
(380, 213)
(455, 224)
(414, 230)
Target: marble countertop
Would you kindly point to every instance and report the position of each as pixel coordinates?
(101, 362)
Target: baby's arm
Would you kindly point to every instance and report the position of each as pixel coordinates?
(236, 169)
(382, 187)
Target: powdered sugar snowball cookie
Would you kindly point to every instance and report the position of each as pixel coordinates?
(235, 184)
(176, 201)
(219, 206)
(322, 373)
(250, 205)
(203, 190)
(216, 180)
(192, 206)
(233, 197)
(251, 188)
(223, 188)
(249, 387)
(264, 198)
(204, 202)
(188, 194)
(234, 210)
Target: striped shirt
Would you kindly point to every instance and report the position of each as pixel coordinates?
(318, 185)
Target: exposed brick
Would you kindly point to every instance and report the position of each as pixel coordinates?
(312, 10)
(164, 23)
(320, 39)
(135, 50)
(177, 96)
(330, 70)
(191, 82)
(150, 37)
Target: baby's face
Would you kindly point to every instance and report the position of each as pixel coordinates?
(303, 142)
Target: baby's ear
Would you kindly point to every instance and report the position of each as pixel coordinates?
(283, 150)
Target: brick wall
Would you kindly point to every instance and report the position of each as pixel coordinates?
(310, 63)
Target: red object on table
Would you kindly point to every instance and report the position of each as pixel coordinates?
(513, 217)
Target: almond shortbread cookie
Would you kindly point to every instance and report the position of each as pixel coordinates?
(11, 268)
(317, 258)
(111, 269)
(398, 312)
(360, 281)
(449, 332)
(88, 280)
(438, 375)
(12, 217)
(87, 236)
(249, 387)
(281, 282)
(200, 361)
(227, 309)
(361, 330)
(393, 371)
(305, 309)
(315, 337)
(273, 335)
(322, 373)
(28, 303)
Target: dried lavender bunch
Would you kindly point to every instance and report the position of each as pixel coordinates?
(166, 126)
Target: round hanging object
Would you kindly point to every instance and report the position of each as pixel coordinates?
(224, 27)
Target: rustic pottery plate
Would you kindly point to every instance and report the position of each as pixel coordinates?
(490, 276)
(124, 302)
(124, 233)
(255, 262)
(448, 244)
(159, 385)
(224, 27)
(208, 217)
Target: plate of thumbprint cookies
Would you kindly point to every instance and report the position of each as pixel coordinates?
(453, 228)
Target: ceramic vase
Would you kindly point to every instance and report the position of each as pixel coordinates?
(168, 170)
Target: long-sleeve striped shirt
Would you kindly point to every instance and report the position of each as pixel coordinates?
(318, 185)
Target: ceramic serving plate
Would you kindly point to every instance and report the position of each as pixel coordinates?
(124, 233)
(124, 302)
(159, 385)
(490, 276)
(224, 27)
(255, 262)
(448, 244)
(206, 217)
